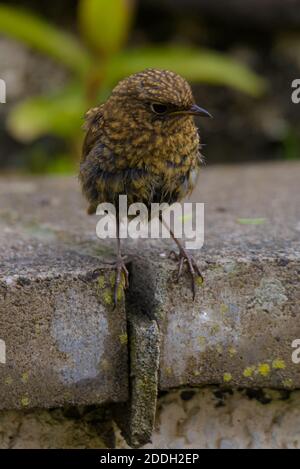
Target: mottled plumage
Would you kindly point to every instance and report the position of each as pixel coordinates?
(131, 150)
(142, 142)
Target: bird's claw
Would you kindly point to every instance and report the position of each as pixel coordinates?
(194, 271)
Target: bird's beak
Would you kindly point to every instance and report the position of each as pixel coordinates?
(196, 110)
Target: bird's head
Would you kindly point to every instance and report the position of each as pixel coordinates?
(153, 97)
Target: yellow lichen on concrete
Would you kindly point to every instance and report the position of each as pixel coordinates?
(248, 372)
(123, 339)
(25, 377)
(278, 364)
(224, 308)
(214, 329)
(264, 369)
(227, 377)
(25, 401)
(202, 341)
(104, 365)
(121, 288)
(288, 383)
(107, 297)
(101, 281)
(199, 281)
(8, 380)
(232, 351)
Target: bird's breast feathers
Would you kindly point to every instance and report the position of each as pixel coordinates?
(157, 164)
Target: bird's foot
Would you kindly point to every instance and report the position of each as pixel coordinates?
(122, 279)
(185, 258)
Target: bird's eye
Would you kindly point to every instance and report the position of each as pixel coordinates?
(159, 108)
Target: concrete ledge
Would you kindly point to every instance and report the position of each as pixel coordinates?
(239, 330)
(63, 345)
(66, 345)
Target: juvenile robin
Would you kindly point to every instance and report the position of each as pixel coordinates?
(143, 142)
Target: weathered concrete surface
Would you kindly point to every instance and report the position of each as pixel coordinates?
(240, 328)
(56, 428)
(64, 342)
(238, 331)
(136, 418)
(210, 419)
(189, 418)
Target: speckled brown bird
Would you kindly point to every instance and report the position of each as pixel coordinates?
(143, 142)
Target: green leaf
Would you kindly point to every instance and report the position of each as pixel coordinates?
(195, 65)
(37, 33)
(105, 24)
(62, 164)
(291, 144)
(60, 115)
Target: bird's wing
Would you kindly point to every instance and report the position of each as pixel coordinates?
(93, 124)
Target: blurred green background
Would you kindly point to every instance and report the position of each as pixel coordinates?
(60, 58)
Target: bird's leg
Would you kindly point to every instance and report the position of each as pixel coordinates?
(183, 257)
(120, 270)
